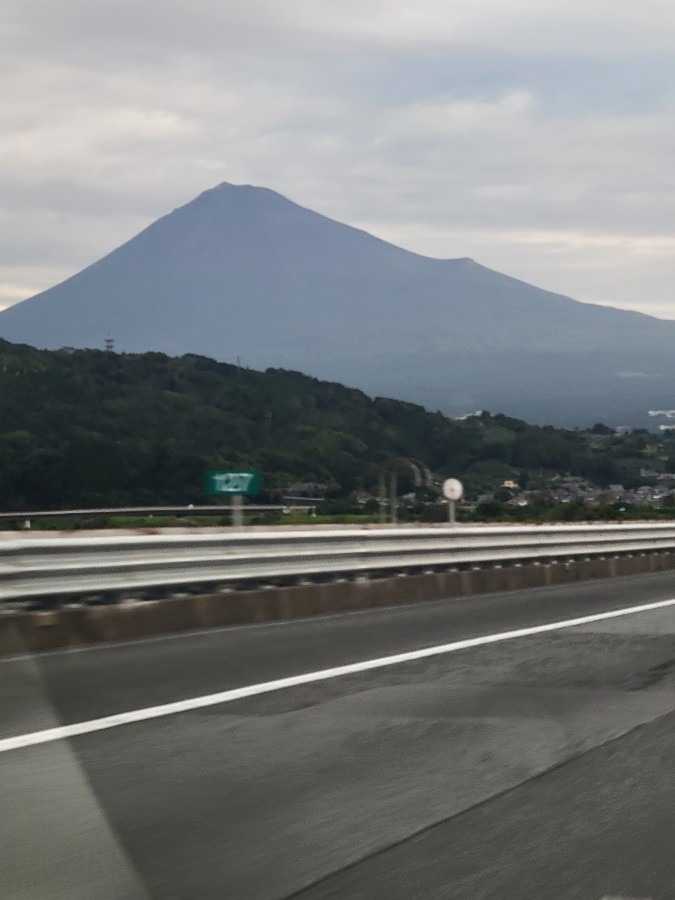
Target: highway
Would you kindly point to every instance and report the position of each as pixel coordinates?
(502, 766)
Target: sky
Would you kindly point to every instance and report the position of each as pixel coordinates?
(536, 137)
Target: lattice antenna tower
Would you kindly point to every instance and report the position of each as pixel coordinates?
(110, 344)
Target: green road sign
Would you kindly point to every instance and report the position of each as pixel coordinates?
(233, 482)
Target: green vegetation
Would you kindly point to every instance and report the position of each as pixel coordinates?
(88, 429)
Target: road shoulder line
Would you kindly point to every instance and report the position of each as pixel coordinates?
(77, 729)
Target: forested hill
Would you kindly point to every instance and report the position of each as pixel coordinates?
(92, 428)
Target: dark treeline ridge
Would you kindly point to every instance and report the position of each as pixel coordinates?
(88, 428)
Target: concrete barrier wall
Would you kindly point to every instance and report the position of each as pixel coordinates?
(39, 631)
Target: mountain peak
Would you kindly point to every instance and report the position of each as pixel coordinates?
(249, 191)
(229, 187)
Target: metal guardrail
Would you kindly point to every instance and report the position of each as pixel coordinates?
(178, 511)
(59, 569)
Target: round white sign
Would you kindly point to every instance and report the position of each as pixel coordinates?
(453, 489)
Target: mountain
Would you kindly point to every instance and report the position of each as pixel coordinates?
(242, 272)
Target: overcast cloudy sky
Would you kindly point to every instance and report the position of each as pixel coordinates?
(536, 136)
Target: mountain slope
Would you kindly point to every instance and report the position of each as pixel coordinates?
(242, 272)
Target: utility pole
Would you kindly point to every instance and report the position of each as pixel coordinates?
(382, 499)
(393, 482)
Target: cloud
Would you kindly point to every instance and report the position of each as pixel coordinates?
(537, 138)
(526, 27)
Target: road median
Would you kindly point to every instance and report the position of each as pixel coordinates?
(71, 627)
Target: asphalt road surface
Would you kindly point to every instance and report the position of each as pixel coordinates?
(535, 766)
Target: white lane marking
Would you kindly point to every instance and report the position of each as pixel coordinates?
(169, 709)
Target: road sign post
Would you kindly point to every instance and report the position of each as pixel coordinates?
(236, 484)
(453, 490)
(237, 511)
